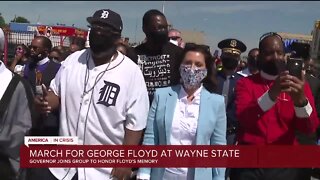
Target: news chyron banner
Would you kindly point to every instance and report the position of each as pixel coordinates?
(39, 152)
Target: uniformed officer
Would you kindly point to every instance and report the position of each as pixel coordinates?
(227, 79)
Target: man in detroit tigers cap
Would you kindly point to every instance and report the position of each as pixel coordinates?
(101, 95)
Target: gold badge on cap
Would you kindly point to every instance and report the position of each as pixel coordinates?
(233, 43)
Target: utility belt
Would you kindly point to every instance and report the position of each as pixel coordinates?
(231, 130)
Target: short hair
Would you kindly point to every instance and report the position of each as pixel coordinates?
(79, 41)
(254, 49)
(266, 36)
(57, 49)
(46, 42)
(149, 14)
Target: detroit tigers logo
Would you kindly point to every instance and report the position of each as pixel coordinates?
(104, 15)
(109, 94)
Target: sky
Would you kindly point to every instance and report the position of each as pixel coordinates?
(244, 20)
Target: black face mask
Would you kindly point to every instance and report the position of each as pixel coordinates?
(38, 57)
(229, 63)
(101, 42)
(159, 37)
(269, 67)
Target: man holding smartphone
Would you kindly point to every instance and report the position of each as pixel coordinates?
(271, 106)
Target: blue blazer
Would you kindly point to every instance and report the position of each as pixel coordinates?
(211, 128)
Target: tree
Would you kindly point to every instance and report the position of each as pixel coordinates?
(2, 22)
(20, 19)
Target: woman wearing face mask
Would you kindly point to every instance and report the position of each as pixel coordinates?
(22, 56)
(188, 113)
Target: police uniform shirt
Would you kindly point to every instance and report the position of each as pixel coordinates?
(226, 87)
(119, 99)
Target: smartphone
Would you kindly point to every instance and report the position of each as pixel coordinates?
(294, 66)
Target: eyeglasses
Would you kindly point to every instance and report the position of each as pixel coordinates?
(268, 35)
(19, 50)
(34, 47)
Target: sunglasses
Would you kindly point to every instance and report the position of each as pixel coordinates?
(34, 47)
(19, 50)
(268, 35)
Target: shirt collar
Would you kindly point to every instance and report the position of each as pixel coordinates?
(268, 76)
(114, 63)
(183, 94)
(226, 77)
(43, 61)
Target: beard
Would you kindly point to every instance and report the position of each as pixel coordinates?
(37, 57)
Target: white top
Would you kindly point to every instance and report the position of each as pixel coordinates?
(6, 77)
(43, 61)
(183, 131)
(119, 99)
(245, 72)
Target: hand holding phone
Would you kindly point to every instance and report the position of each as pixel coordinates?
(294, 66)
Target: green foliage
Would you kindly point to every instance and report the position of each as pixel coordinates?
(20, 19)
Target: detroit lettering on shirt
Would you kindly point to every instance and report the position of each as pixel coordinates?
(159, 68)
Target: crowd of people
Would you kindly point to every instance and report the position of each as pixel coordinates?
(163, 92)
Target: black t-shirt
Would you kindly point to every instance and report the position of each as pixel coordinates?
(132, 54)
(159, 68)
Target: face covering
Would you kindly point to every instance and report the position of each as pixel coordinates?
(229, 63)
(159, 37)
(56, 61)
(174, 42)
(38, 57)
(192, 77)
(309, 71)
(269, 67)
(100, 42)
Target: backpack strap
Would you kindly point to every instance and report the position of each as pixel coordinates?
(30, 98)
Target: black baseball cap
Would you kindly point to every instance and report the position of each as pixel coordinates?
(108, 17)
